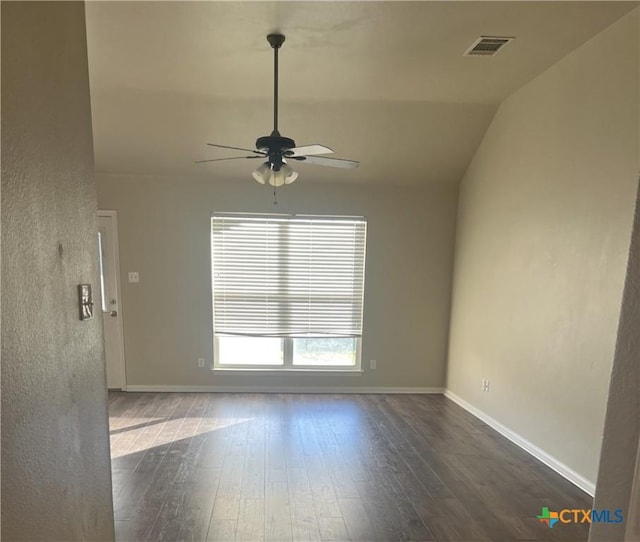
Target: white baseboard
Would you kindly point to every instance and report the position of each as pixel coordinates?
(563, 470)
(282, 389)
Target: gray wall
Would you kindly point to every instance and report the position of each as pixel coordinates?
(632, 531)
(56, 481)
(622, 425)
(544, 226)
(165, 236)
(619, 472)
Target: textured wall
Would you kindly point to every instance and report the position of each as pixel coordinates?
(544, 225)
(632, 532)
(55, 458)
(618, 486)
(622, 425)
(165, 235)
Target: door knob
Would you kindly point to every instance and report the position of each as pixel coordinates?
(113, 314)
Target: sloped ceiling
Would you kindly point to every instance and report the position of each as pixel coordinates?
(385, 83)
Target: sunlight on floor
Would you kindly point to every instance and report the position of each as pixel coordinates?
(138, 436)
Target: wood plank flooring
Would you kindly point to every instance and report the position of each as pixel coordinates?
(286, 467)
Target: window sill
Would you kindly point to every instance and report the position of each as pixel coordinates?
(314, 370)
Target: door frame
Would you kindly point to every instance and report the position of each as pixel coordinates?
(113, 215)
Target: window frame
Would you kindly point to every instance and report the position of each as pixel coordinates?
(287, 361)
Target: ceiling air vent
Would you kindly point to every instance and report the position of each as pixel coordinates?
(487, 45)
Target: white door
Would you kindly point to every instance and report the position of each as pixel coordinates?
(110, 299)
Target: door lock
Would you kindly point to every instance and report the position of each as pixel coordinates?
(85, 301)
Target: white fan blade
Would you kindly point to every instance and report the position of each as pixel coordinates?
(333, 162)
(308, 150)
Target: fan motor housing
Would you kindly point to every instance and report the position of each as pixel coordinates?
(274, 143)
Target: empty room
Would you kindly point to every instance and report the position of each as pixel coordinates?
(320, 271)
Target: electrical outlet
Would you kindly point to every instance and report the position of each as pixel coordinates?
(485, 384)
(201, 362)
(372, 364)
(134, 276)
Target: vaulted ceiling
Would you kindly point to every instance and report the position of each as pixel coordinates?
(385, 83)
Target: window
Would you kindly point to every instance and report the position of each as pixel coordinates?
(287, 291)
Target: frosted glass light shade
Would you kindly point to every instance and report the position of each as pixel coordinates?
(262, 173)
(276, 179)
(289, 174)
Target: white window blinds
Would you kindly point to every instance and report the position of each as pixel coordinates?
(288, 276)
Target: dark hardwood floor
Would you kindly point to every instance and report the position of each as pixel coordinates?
(284, 467)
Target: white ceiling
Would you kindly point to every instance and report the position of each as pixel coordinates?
(385, 83)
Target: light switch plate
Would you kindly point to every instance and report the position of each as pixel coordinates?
(134, 276)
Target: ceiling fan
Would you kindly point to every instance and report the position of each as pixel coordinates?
(275, 149)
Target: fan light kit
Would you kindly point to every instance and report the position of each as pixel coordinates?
(275, 149)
